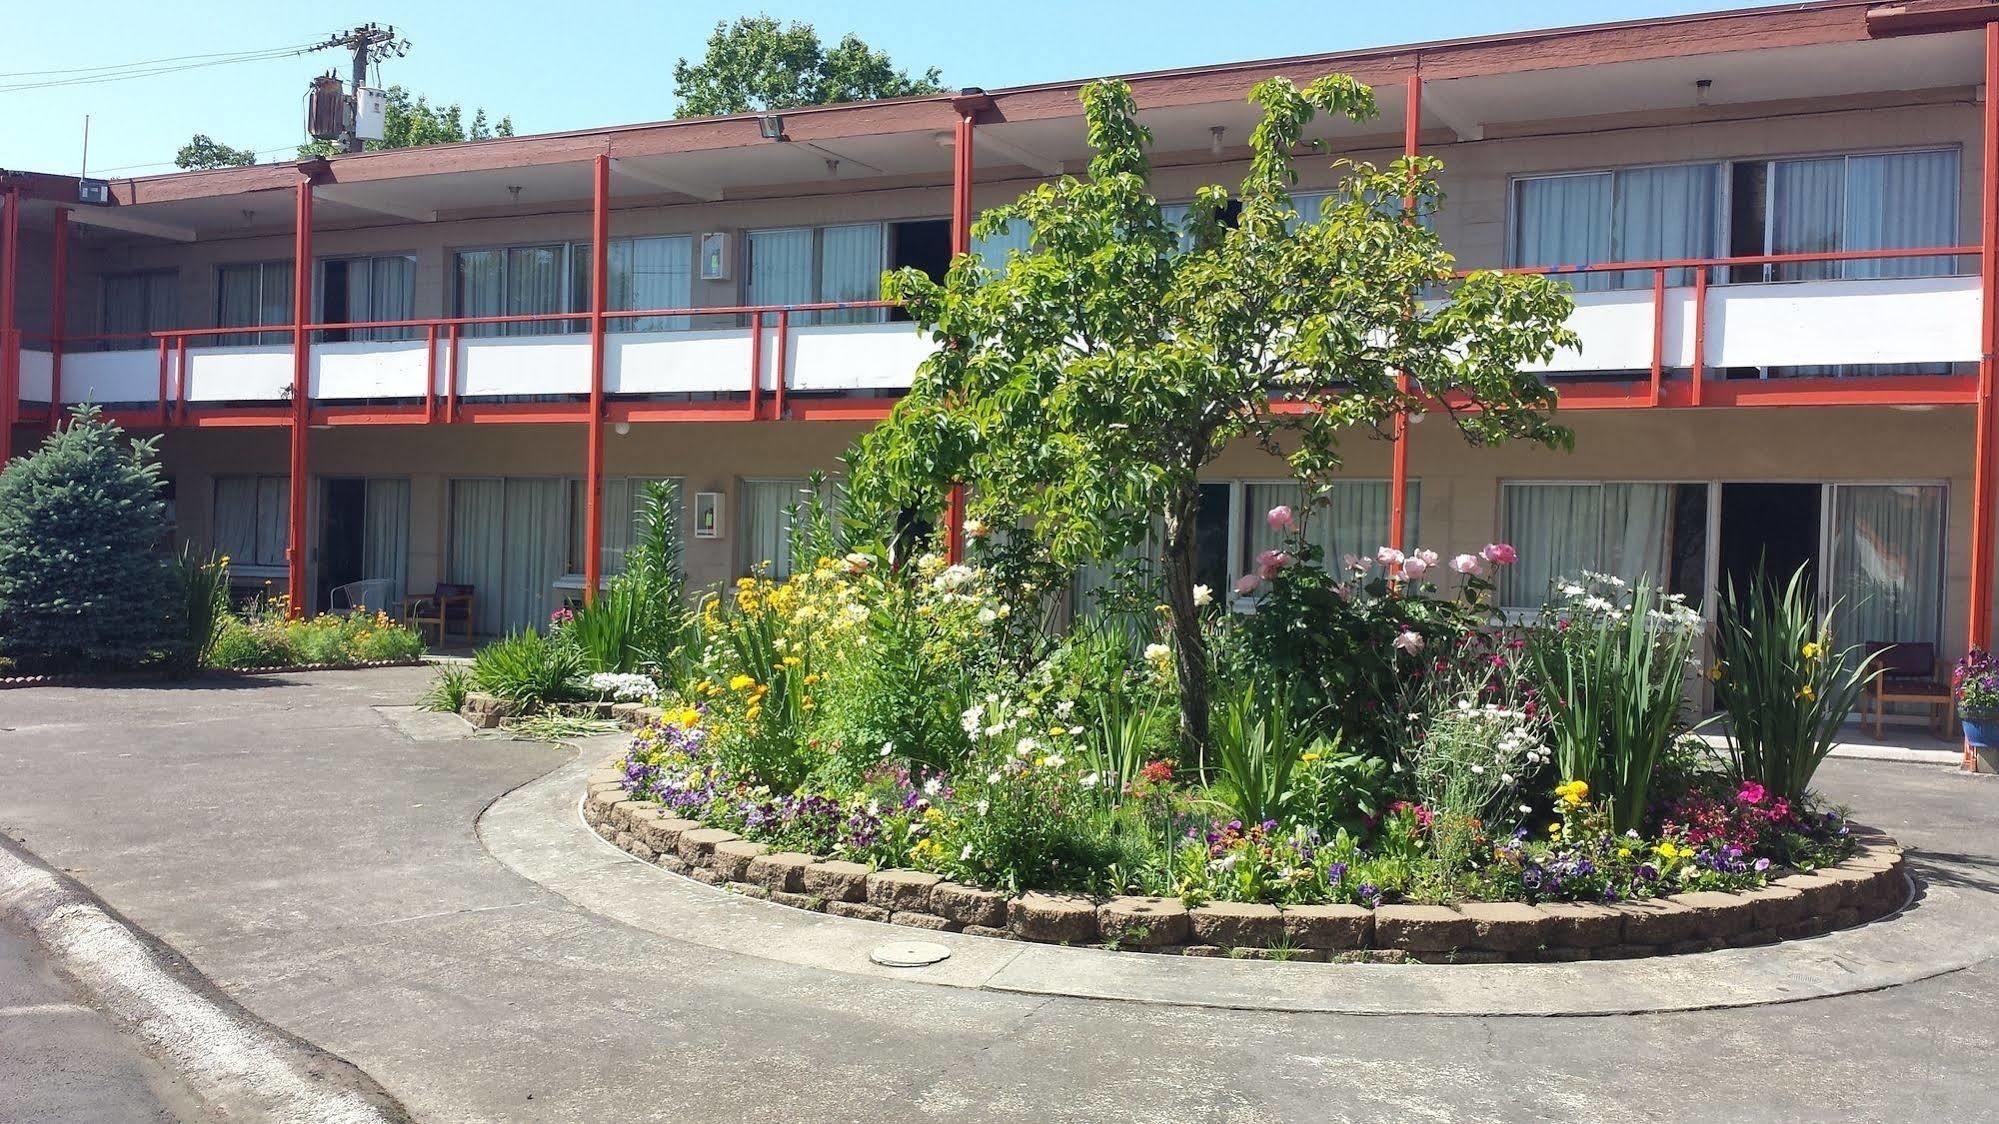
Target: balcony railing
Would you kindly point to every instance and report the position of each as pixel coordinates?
(445, 362)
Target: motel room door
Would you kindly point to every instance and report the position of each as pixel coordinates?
(364, 530)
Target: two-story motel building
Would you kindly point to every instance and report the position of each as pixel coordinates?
(458, 363)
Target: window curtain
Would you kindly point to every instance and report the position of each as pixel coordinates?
(850, 269)
(1257, 536)
(1175, 216)
(235, 528)
(1807, 214)
(534, 284)
(1662, 214)
(1565, 220)
(1358, 517)
(1094, 578)
(385, 534)
(534, 554)
(480, 289)
(391, 295)
(273, 519)
(1898, 200)
(780, 267)
(768, 509)
(623, 506)
(250, 295)
(477, 548)
(1637, 532)
(138, 302)
(1556, 528)
(651, 273)
(1887, 562)
(994, 250)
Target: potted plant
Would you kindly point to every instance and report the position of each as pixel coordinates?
(1975, 683)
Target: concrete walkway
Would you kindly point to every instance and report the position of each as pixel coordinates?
(322, 865)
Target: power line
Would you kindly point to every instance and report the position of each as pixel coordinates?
(122, 76)
(146, 62)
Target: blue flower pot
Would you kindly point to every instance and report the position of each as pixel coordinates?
(1981, 730)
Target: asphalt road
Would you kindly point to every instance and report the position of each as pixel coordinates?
(321, 866)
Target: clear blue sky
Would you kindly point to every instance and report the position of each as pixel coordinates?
(576, 65)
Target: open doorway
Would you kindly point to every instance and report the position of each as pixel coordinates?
(923, 244)
(1773, 528)
(343, 505)
(363, 536)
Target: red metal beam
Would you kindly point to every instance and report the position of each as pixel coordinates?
(10, 338)
(756, 365)
(58, 312)
(1983, 499)
(783, 359)
(593, 459)
(301, 405)
(963, 167)
(1398, 475)
(1699, 374)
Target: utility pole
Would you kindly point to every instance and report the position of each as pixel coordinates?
(369, 43)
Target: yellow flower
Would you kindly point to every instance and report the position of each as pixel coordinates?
(1668, 851)
(1811, 650)
(811, 679)
(754, 710)
(1309, 757)
(1624, 852)
(1573, 793)
(741, 682)
(1714, 673)
(1555, 828)
(1806, 693)
(792, 661)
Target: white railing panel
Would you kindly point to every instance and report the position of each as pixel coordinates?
(1808, 323)
(111, 376)
(855, 356)
(1616, 329)
(497, 365)
(368, 369)
(36, 370)
(681, 362)
(237, 374)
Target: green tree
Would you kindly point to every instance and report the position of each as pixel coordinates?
(410, 121)
(756, 64)
(1082, 390)
(83, 582)
(204, 151)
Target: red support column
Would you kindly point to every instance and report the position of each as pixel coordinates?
(593, 460)
(58, 312)
(10, 338)
(1658, 334)
(961, 243)
(1398, 476)
(301, 419)
(1979, 628)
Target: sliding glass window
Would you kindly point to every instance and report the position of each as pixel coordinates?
(1663, 213)
(1831, 204)
(1654, 532)
(252, 294)
(643, 274)
(815, 265)
(139, 302)
(361, 290)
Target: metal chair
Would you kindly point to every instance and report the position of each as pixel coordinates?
(370, 595)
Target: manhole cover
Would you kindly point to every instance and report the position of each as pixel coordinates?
(909, 954)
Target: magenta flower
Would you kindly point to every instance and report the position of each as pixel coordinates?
(1500, 554)
(1409, 641)
(1752, 793)
(1280, 518)
(1246, 584)
(1468, 564)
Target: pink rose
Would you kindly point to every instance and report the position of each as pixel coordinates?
(1468, 564)
(1280, 518)
(1352, 562)
(1500, 554)
(1388, 556)
(1271, 561)
(1409, 641)
(1246, 584)
(1429, 557)
(1414, 567)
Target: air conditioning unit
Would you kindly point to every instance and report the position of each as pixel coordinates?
(371, 113)
(715, 256)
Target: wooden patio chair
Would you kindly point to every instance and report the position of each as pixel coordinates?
(450, 603)
(1910, 673)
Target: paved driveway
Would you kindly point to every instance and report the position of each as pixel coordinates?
(320, 864)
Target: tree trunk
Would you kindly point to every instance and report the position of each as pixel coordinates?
(1190, 644)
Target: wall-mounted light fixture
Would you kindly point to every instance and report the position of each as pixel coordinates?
(1215, 140)
(770, 126)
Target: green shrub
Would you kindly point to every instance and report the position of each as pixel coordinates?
(83, 583)
(1611, 665)
(201, 611)
(1259, 741)
(1786, 688)
(530, 669)
(251, 642)
(446, 693)
(265, 638)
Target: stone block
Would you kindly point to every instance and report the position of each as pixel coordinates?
(605, 828)
(1820, 895)
(859, 911)
(969, 905)
(929, 921)
(662, 833)
(1204, 950)
(1655, 921)
(1774, 907)
(1716, 915)
(698, 844)
(625, 813)
(1053, 918)
(1579, 925)
(902, 890)
(1301, 955)
(1329, 927)
(837, 881)
(779, 870)
(1236, 924)
(672, 864)
(486, 712)
(703, 875)
(798, 901)
(988, 931)
(747, 889)
(731, 858)
(1135, 922)
(1421, 928)
(1505, 926)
